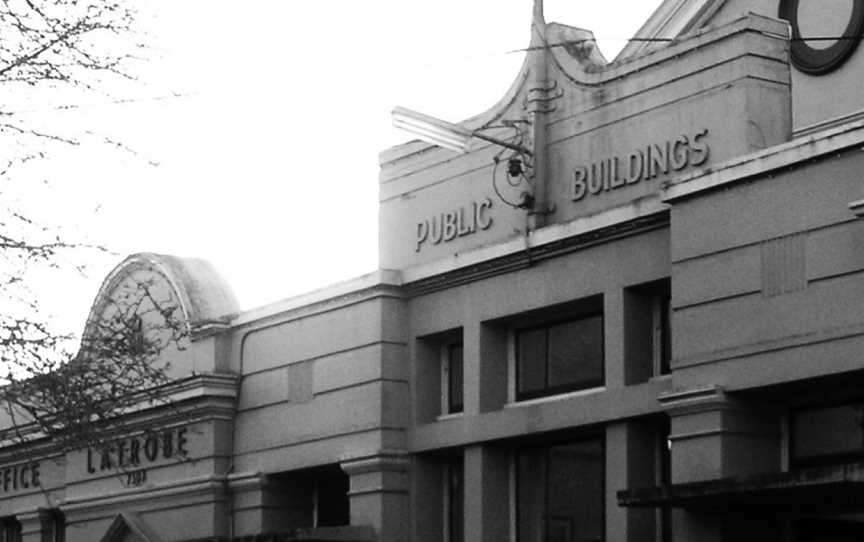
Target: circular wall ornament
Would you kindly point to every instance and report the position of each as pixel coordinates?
(818, 57)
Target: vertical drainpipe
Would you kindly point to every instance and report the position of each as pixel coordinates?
(538, 106)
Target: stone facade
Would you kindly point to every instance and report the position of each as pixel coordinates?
(648, 324)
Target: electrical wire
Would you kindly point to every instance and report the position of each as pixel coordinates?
(570, 43)
(119, 101)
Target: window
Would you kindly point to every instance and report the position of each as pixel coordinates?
(452, 378)
(661, 323)
(438, 377)
(332, 507)
(647, 331)
(10, 529)
(561, 492)
(54, 526)
(559, 357)
(827, 434)
(455, 499)
(313, 497)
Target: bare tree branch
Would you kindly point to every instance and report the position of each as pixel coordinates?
(52, 51)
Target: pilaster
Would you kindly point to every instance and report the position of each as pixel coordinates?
(379, 493)
(715, 436)
(35, 526)
(487, 494)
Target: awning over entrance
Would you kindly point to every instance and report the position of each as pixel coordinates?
(813, 488)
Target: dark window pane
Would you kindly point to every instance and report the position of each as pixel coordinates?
(531, 497)
(575, 491)
(10, 529)
(576, 353)
(665, 334)
(332, 495)
(456, 498)
(59, 526)
(454, 378)
(560, 494)
(831, 431)
(531, 361)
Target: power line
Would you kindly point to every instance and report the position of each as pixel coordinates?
(119, 101)
(570, 43)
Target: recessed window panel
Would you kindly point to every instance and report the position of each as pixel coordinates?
(560, 495)
(10, 529)
(559, 357)
(455, 500)
(455, 387)
(576, 352)
(663, 335)
(830, 434)
(532, 355)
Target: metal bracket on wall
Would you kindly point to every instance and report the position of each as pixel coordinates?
(857, 207)
(542, 99)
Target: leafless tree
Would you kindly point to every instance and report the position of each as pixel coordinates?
(80, 399)
(52, 53)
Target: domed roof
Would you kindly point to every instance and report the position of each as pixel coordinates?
(201, 293)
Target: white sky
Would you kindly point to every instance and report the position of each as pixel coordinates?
(268, 166)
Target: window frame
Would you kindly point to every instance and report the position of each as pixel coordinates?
(822, 460)
(546, 325)
(10, 529)
(448, 408)
(54, 522)
(598, 436)
(453, 503)
(661, 334)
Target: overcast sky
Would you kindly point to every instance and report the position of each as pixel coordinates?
(256, 128)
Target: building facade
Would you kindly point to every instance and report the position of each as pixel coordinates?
(642, 319)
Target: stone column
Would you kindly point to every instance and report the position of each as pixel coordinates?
(427, 498)
(613, 337)
(247, 494)
(715, 436)
(485, 367)
(631, 462)
(487, 494)
(39, 525)
(32, 525)
(379, 493)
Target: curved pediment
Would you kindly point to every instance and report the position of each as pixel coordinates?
(573, 49)
(187, 290)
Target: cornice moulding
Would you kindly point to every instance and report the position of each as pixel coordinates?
(781, 156)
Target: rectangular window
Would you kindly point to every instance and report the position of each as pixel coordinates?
(54, 526)
(662, 323)
(647, 331)
(824, 435)
(559, 357)
(453, 372)
(10, 530)
(561, 492)
(332, 507)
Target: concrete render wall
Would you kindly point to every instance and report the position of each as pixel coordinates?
(773, 265)
(766, 272)
(808, 109)
(323, 385)
(722, 93)
(322, 375)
